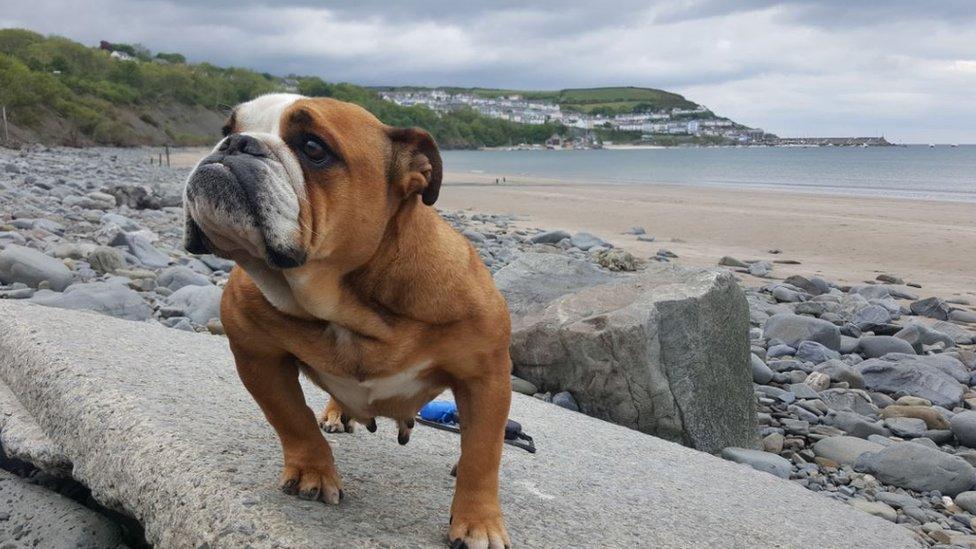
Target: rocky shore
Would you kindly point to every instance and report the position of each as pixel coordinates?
(101, 229)
(863, 393)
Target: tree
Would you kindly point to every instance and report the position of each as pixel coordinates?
(171, 57)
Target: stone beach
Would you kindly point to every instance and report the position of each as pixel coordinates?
(862, 393)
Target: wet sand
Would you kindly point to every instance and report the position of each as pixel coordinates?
(844, 239)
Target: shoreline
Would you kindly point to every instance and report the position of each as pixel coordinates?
(844, 238)
(850, 239)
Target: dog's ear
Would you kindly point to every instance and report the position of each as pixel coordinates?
(416, 164)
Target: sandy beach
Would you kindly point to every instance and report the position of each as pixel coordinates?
(842, 238)
(845, 239)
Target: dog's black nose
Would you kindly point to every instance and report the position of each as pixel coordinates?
(239, 143)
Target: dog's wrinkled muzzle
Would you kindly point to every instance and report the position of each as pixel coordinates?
(230, 206)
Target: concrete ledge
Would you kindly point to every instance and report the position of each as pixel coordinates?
(156, 422)
(23, 439)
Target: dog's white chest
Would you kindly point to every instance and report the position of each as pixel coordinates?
(358, 396)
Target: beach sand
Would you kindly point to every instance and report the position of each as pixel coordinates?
(848, 240)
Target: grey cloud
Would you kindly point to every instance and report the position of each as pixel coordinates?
(823, 66)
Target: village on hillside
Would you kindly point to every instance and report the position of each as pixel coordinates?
(694, 122)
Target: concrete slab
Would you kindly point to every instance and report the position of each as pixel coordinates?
(157, 424)
(21, 437)
(32, 516)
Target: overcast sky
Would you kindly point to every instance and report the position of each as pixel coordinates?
(904, 68)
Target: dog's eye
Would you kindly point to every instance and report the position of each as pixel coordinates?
(314, 150)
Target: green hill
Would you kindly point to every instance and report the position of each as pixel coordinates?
(610, 100)
(58, 91)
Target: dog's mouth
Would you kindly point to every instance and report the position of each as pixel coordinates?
(227, 214)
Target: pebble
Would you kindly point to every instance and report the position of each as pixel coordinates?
(524, 387)
(875, 508)
(844, 450)
(759, 460)
(32, 267)
(963, 426)
(565, 400)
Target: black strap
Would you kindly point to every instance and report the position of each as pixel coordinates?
(521, 439)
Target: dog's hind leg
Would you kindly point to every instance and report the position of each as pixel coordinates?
(332, 420)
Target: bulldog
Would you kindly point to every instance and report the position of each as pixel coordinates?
(345, 273)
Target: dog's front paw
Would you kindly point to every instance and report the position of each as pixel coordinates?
(486, 531)
(319, 482)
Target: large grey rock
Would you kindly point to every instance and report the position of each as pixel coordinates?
(760, 268)
(906, 427)
(759, 460)
(873, 346)
(844, 449)
(918, 334)
(665, 352)
(549, 237)
(198, 303)
(916, 376)
(871, 317)
(141, 247)
(729, 261)
(121, 221)
(813, 286)
(91, 201)
(106, 259)
(791, 329)
(585, 241)
(849, 400)
(841, 372)
(533, 280)
(875, 508)
(932, 307)
(962, 315)
(967, 500)
(108, 298)
(917, 467)
(177, 277)
(141, 197)
(959, 335)
(811, 351)
(761, 373)
(72, 250)
(783, 294)
(855, 424)
(944, 363)
(963, 426)
(157, 424)
(31, 267)
(37, 517)
(217, 263)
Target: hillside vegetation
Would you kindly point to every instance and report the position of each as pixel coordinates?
(58, 91)
(609, 100)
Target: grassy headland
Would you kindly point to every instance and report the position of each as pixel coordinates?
(57, 91)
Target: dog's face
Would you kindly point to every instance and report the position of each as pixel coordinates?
(298, 179)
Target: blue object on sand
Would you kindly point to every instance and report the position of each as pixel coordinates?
(441, 411)
(443, 414)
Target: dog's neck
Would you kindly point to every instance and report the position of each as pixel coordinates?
(415, 273)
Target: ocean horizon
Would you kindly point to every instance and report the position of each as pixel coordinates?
(919, 172)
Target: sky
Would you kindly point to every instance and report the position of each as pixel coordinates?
(904, 69)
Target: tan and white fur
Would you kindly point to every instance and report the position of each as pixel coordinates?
(347, 273)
